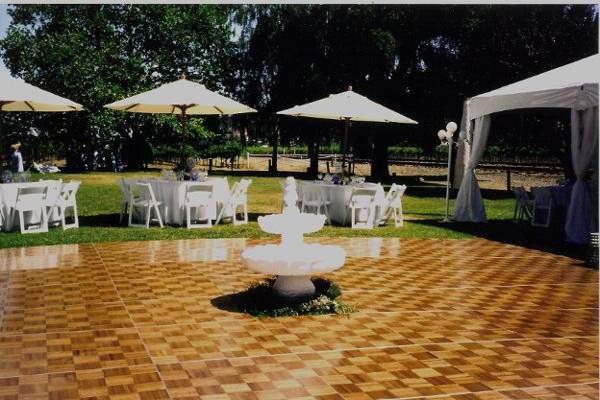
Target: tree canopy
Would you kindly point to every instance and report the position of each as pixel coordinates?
(421, 60)
(97, 54)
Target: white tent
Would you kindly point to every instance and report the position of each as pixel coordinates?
(573, 86)
(18, 95)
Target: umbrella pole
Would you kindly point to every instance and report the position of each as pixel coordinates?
(345, 146)
(183, 137)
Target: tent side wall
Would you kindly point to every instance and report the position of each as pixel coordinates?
(582, 100)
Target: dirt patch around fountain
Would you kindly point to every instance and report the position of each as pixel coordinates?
(261, 301)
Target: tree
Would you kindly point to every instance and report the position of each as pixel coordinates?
(422, 60)
(96, 54)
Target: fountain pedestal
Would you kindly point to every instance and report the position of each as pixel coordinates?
(293, 261)
(294, 286)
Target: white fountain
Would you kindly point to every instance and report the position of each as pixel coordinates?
(293, 261)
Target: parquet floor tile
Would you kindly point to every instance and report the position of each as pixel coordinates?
(435, 319)
(393, 372)
(59, 276)
(560, 392)
(64, 318)
(152, 270)
(174, 286)
(229, 276)
(393, 274)
(568, 296)
(124, 383)
(177, 310)
(95, 292)
(171, 251)
(44, 257)
(72, 351)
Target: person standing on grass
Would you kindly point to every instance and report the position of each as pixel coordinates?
(16, 159)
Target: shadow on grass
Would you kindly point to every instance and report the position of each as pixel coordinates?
(102, 221)
(112, 220)
(261, 174)
(549, 240)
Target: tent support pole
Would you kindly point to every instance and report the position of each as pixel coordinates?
(446, 218)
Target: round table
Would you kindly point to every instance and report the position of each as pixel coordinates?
(339, 197)
(172, 196)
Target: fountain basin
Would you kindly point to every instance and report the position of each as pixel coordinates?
(294, 265)
(294, 223)
(303, 259)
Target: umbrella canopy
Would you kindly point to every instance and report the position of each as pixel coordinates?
(18, 95)
(179, 97)
(349, 106)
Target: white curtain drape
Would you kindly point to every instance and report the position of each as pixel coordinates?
(463, 146)
(584, 140)
(469, 203)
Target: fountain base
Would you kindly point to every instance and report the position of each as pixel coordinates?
(261, 300)
(294, 286)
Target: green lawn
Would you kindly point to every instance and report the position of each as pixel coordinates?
(99, 202)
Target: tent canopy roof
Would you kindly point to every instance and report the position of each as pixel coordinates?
(347, 105)
(574, 85)
(170, 98)
(18, 95)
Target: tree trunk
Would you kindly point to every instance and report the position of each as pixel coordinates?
(379, 160)
(313, 153)
(274, 143)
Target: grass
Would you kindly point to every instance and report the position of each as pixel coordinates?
(99, 202)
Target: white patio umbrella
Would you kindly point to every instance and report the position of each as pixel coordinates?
(347, 106)
(18, 95)
(181, 97)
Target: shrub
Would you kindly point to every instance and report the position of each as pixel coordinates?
(404, 152)
(260, 301)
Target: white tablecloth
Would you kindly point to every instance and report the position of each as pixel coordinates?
(8, 198)
(340, 195)
(172, 196)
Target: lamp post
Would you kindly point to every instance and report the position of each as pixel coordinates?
(447, 137)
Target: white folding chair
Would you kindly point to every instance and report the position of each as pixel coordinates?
(313, 198)
(2, 216)
(124, 186)
(67, 200)
(238, 197)
(31, 199)
(141, 196)
(523, 205)
(542, 207)
(198, 197)
(362, 207)
(393, 206)
(54, 186)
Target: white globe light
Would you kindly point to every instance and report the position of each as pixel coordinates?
(451, 127)
(441, 134)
